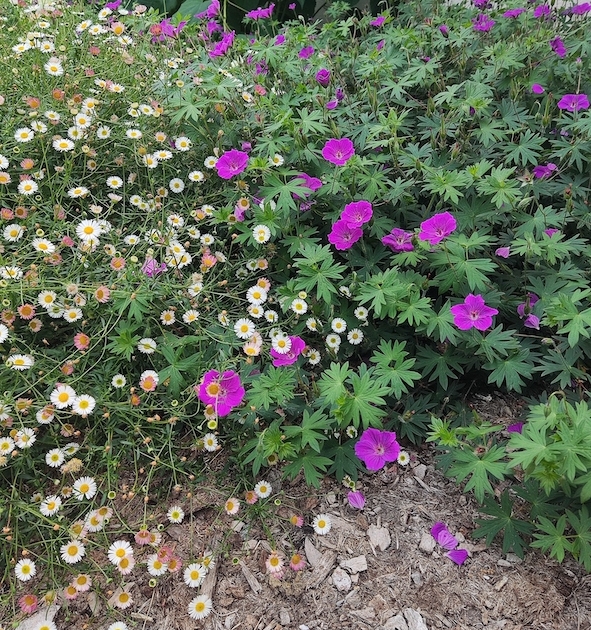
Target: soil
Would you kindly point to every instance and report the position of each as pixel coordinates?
(377, 569)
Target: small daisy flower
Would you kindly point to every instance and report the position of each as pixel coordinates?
(20, 362)
(232, 506)
(196, 176)
(149, 380)
(155, 566)
(194, 575)
(183, 144)
(276, 160)
(261, 233)
(361, 313)
(244, 328)
(118, 381)
(143, 537)
(28, 187)
(312, 324)
(296, 520)
(263, 489)
(271, 316)
(126, 565)
(175, 514)
(297, 562)
(299, 306)
(338, 325)
(6, 445)
(134, 134)
(313, 356)
(114, 182)
(200, 607)
(190, 316)
(25, 438)
(118, 625)
(333, 341)
(24, 134)
(210, 442)
(210, 162)
(84, 488)
(89, 228)
(82, 582)
(281, 343)
(256, 295)
(43, 245)
(72, 552)
(403, 458)
(274, 563)
(176, 185)
(146, 345)
(28, 603)
(50, 505)
(121, 599)
(103, 132)
(25, 569)
(167, 318)
(322, 524)
(83, 405)
(118, 550)
(355, 336)
(70, 593)
(13, 232)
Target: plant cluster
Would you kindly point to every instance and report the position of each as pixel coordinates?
(267, 244)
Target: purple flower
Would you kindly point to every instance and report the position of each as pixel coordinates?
(231, 163)
(558, 47)
(291, 6)
(483, 23)
(323, 77)
(280, 39)
(338, 151)
(457, 555)
(532, 321)
(541, 171)
(222, 391)
(381, 44)
(541, 11)
(332, 104)
(113, 5)
(378, 21)
(222, 47)
(550, 231)
(356, 499)
(480, 4)
(473, 313)
(536, 88)
(503, 252)
(444, 30)
(443, 536)
(515, 428)
(513, 13)
(357, 213)
(573, 102)
(313, 183)
(306, 52)
(287, 358)
(376, 448)
(259, 14)
(339, 94)
(437, 228)
(580, 9)
(399, 240)
(212, 10)
(342, 236)
(525, 307)
(152, 268)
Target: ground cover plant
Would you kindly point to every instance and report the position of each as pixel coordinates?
(276, 246)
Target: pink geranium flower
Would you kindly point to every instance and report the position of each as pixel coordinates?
(375, 448)
(573, 102)
(343, 236)
(338, 151)
(357, 213)
(437, 228)
(231, 163)
(399, 240)
(222, 391)
(356, 499)
(290, 357)
(473, 313)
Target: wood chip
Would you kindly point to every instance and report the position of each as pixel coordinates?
(501, 583)
(379, 537)
(209, 582)
(322, 569)
(254, 584)
(341, 580)
(312, 554)
(355, 565)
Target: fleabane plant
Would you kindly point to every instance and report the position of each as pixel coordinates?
(252, 244)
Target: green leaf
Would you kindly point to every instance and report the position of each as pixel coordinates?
(382, 292)
(503, 521)
(581, 541)
(393, 368)
(312, 430)
(509, 370)
(479, 469)
(332, 382)
(313, 465)
(553, 538)
(274, 387)
(344, 460)
(317, 270)
(360, 406)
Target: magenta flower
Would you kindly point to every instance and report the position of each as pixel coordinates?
(287, 358)
(536, 88)
(444, 29)
(513, 13)
(260, 14)
(473, 313)
(524, 310)
(357, 213)
(280, 39)
(313, 183)
(558, 47)
(503, 252)
(437, 228)
(376, 448)
(332, 104)
(323, 77)
(152, 268)
(541, 171)
(541, 11)
(580, 9)
(550, 231)
(356, 499)
(378, 21)
(338, 151)
(222, 391)
(515, 428)
(399, 240)
(458, 556)
(212, 10)
(573, 102)
(306, 52)
(231, 163)
(343, 236)
(443, 536)
(483, 23)
(222, 47)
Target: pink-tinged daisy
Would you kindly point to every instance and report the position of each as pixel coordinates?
(297, 562)
(274, 563)
(118, 550)
(28, 603)
(232, 506)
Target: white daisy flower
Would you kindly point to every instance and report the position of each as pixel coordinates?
(11, 272)
(25, 569)
(28, 187)
(7, 445)
(200, 607)
(118, 550)
(114, 182)
(55, 457)
(338, 325)
(333, 341)
(322, 524)
(13, 232)
(77, 192)
(210, 442)
(313, 356)
(190, 316)
(25, 438)
(83, 405)
(50, 505)
(24, 134)
(118, 381)
(183, 143)
(62, 396)
(256, 295)
(54, 67)
(177, 185)
(299, 306)
(20, 362)
(263, 489)
(281, 343)
(361, 313)
(103, 132)
(84, 488)
(155, 566)
(175, 514)
(194, 574)
(72, 552)
(43, 245)
(244, 328)
(72, 314)
(355, 336)
(146, 345)
(261, 233)
(194, 176)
